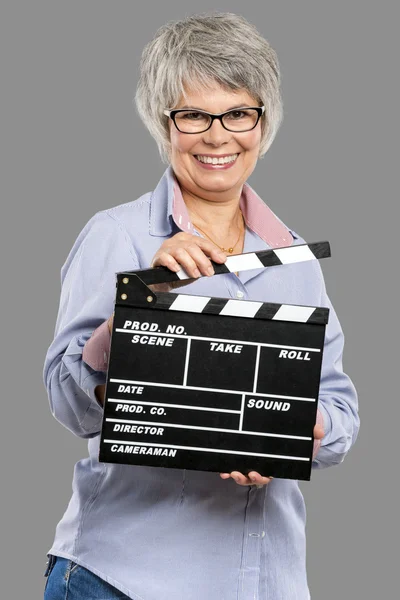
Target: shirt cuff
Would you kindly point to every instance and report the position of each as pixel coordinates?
(77, 380)
(96, 350)
(92, 417)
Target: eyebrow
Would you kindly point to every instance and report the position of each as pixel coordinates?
(196, 108)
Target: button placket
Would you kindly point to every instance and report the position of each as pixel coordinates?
(251, 558)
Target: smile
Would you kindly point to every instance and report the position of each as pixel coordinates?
(209, 162)
(216, 161)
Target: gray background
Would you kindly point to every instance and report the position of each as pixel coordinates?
(72, 144)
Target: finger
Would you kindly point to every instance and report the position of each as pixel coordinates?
(212, 250)
(240, 478)
(258, 479)
(110, 322)
(203, 262)
(164, 259)
(318, 432)
(224, 475)
(186, 262)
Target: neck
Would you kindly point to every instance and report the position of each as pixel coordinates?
(218, 217)
(221, 222)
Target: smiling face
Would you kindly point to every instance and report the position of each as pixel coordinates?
(205, 181)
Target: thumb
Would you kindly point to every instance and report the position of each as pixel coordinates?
(318, 432)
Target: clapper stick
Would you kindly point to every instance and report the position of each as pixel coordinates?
(194, 382)
(243, 262)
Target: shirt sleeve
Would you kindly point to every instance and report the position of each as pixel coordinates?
(88, 285)
(96, 350)
(338, 401)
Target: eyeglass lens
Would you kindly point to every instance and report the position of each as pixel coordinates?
(189, 121)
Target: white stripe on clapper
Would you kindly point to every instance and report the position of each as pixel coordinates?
(189, 303)
(294, 313)
(242, 413)
(256, 369)
(294, 254)
(243, 262)
(238, 308)
(182, 274)
(186, 362)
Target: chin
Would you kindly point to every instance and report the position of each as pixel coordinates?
(217, 186)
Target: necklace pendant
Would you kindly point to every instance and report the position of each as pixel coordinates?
(230, 250)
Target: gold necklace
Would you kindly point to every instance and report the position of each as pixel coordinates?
(231, 248)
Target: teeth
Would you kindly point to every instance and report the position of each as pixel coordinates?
(216, 161)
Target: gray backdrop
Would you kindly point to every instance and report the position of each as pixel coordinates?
(72, 145)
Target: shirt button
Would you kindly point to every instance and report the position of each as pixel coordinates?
(239, 294)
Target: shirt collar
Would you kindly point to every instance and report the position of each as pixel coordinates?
(168, 207)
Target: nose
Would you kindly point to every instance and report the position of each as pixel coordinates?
(217, 134)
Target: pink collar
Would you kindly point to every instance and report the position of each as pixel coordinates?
(257, 215)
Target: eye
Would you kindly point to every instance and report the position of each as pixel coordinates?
(191, 116)
(237, 114)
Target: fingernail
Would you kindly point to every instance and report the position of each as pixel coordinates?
(253, 478)
(210, 271)
(196, 273)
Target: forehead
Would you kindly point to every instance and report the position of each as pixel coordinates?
(215, 98)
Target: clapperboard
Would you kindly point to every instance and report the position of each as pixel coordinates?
(213, 384)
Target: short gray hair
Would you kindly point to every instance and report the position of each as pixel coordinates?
(200, 51)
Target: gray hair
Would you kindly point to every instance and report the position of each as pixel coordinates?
(200, 51)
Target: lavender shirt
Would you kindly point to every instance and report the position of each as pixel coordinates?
(158, 534)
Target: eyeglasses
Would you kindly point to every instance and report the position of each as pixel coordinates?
(197, 121)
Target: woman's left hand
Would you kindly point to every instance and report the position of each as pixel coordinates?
(254, 478)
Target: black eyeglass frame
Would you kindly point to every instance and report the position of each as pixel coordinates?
(173, 112)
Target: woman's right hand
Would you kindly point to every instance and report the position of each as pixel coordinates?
(183, 250)
(190, 252)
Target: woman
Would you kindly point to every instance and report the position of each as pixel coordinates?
(209, 94)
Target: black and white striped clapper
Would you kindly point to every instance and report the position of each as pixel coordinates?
(213, 384)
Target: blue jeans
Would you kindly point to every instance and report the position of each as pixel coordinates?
(68, 581)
